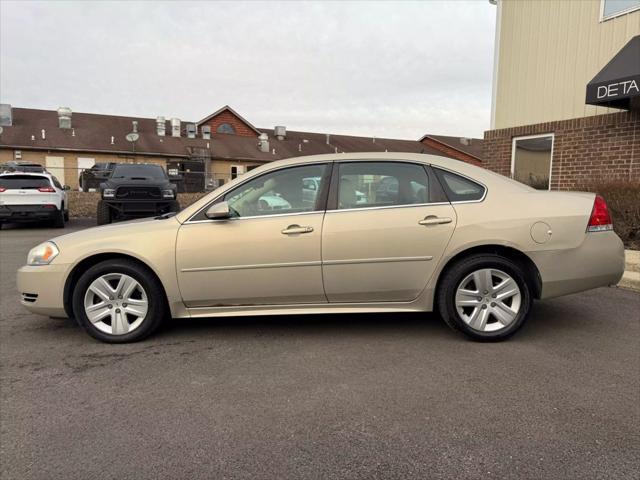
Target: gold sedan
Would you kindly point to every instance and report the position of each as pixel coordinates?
(370, 232)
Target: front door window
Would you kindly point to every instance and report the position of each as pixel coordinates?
(286, 191)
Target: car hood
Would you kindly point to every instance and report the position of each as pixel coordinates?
(139, 238)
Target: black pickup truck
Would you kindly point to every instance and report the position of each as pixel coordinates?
(136, 191)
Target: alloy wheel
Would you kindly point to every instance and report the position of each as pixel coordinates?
(116, 303)
(488, 300)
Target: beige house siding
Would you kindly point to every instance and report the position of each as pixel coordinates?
(548, 52)
(71, 171)
(221, 169)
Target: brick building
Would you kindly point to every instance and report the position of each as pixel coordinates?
(566, 92)
(202, 155)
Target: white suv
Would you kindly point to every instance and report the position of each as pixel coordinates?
(27, 197)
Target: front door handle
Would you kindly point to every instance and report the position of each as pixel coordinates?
(433, 220)
(296, 229)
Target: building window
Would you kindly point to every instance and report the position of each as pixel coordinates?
(613, 8)
(531, 160)
(225, 128)
(236, 171)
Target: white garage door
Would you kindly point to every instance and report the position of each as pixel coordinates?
(55, 166)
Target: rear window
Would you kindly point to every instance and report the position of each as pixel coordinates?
(23, 182)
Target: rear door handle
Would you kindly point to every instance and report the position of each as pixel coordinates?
(433, 220)
(296, 229)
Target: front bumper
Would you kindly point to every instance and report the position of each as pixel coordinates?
(597, 262)
(27, 213)
(41, 288)
(140, 208)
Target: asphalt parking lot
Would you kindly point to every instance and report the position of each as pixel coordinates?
(371, 396)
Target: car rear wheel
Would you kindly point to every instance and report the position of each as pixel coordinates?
(103, 213)
(485, 296)
(119, 301)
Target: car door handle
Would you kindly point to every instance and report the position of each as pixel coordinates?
(433, 220)
(296, 229)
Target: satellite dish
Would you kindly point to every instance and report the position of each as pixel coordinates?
(132, 137)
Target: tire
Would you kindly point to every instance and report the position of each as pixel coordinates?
(103, 213)
(58, 219)
(175, 206)
(130, 328)
(484, 317)
(66, 215)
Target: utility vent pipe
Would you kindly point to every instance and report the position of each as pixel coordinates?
(263, 143)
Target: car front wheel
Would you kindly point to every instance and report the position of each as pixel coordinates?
(485, 296)
(119, 301)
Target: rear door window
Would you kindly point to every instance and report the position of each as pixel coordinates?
(381, 184)
(23, 182)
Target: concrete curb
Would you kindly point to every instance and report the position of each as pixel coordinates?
(631, 278)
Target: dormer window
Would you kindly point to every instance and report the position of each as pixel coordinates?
(226, 128)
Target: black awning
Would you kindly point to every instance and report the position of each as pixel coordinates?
(619, 81)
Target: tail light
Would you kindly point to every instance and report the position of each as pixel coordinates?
(46, 189)
(2, 189)
(600, 219)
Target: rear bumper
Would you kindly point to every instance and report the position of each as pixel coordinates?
(597, 262)
(27, 213)
(41, 288)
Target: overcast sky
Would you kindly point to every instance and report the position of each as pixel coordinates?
(385, 69)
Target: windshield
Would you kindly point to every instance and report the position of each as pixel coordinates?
(22, 182)
(138, 171)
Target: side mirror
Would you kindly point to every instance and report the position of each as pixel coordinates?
(219, 211)
(66, 187)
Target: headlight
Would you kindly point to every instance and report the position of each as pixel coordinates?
(43, 254)
(168, 194)
(108, 193)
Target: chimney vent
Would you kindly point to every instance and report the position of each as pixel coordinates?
(175, 127)
(161, 126)
(134, 126)
(280, 132)
(263, 143)
(43, 133)
(5, 115)
(112, 140)
(328, 139)
(465, 141)
(64, 117)
(206, 132)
